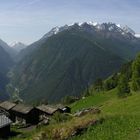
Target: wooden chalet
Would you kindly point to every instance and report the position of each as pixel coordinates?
(6, 107)
(26, 114)
(5, 123)
(48, 110)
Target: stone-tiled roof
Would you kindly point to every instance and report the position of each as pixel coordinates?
(47, 109)
(7, 105)
(24, 109)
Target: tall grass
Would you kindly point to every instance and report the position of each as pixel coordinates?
(122, 121)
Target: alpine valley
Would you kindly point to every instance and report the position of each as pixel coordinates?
(69, 59)
(5, 65)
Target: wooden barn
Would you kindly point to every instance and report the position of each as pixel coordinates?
(48, 110)
(26, 114)
(5, 123)
(7, 106)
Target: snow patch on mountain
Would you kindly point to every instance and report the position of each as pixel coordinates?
(13, 44)
(56, 30)
(92, 23)
(128, 30)
(118, 25)
(18, 46)
(137, 35)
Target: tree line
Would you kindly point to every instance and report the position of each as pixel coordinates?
(126, 80)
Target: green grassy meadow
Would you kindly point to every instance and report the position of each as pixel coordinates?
(121, 120)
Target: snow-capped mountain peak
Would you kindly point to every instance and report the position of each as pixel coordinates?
(92, 23)
(13, 44)
(56, 30)
(128, 30)
(118, 25)
(110, 27)
(18, 46)
(81, 23)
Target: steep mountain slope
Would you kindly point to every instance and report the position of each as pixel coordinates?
(5, 64)
(69, 59)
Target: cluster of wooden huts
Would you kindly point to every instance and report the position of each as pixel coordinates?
(20, 113)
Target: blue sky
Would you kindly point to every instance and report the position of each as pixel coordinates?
(29, 20)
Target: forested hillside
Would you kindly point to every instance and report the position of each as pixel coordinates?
(119, 117)
(66, 61)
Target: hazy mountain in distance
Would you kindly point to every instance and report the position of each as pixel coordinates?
(5, 64)
(18, 46)
(7, 48)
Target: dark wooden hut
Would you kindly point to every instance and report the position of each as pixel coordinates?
(5, 123)
(48, 110)
(26, 114)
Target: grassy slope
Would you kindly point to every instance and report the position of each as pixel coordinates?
(95, 100)
(121, 120)
(57, 131)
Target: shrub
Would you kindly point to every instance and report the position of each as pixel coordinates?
(123, 86)
(60, 117)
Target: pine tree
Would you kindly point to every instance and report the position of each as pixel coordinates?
(98, 85)
(123, 86)
(136, 74)
(111, 82)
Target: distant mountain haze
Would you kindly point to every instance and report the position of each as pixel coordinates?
(18, 46)
(6, 63)
(8, 49)
(68, 59)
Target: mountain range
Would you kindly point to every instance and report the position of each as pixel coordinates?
(69, 59)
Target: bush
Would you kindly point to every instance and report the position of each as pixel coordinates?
(136, 74)
(98, 85)
(60, 117)
(123, 86)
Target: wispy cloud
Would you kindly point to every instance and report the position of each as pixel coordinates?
(33, 2)
(29, 3)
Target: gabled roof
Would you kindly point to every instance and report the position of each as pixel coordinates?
(4, 121)
(7, 105)
(21, 108)
(47, 109)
